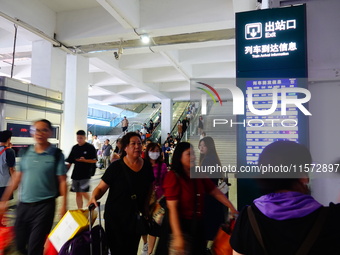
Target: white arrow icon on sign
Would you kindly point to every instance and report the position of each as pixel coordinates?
(253, 31)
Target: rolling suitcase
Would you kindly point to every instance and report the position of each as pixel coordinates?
(91, 242)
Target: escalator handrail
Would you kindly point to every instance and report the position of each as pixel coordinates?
(155, 137)
(174, 129)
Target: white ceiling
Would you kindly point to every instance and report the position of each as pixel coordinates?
(191, 39)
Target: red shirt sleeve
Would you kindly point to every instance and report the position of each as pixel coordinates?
(171, 186)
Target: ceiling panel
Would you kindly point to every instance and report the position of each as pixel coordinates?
(189, 39)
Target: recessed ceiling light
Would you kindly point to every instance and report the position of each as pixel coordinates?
(145, 38)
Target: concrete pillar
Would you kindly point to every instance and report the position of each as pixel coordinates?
(48, 66)
(166, 118)
(324, 140)
(323, 73)
(76, 100)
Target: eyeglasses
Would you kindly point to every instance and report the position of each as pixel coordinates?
(33, 130)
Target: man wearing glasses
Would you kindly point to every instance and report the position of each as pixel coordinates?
(41, 178)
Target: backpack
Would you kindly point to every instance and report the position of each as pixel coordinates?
(3, 160)
(3, 150)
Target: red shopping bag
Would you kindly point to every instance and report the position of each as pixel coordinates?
(49, 248)
(6, 237)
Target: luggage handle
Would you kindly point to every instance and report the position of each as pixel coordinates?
(91, 209)
(92, 206)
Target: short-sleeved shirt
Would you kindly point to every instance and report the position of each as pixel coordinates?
(282, 237)
(7, 160)
(119, 206)
(96, 143)
(183, 189)
(165, 150)
(82, 170)
(39, 174)
(125, 123)
(107, 149)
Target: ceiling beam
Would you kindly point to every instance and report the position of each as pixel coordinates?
(125, 12)
(186, 72)
(207, 36)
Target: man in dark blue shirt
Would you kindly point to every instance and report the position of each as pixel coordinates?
(107, 148)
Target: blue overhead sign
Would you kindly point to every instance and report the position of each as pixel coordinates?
(271, 60)
(271, 39)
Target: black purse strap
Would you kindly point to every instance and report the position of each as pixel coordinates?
(309, 240)
(314, 233)
(256, 228)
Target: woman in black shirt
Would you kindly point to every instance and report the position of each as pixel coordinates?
(124, 177)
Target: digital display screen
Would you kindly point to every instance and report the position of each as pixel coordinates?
(266, 129)
(23, 130)
(19, 130)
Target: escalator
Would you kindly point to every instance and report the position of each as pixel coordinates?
(178, 113)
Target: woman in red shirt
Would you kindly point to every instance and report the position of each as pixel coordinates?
(185, 202)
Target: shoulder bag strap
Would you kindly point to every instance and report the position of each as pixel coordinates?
(256, 228)
(314, 233)
(3, 150)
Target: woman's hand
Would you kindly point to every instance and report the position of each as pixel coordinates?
(234, 212)
(92, 201)
(3, 207)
